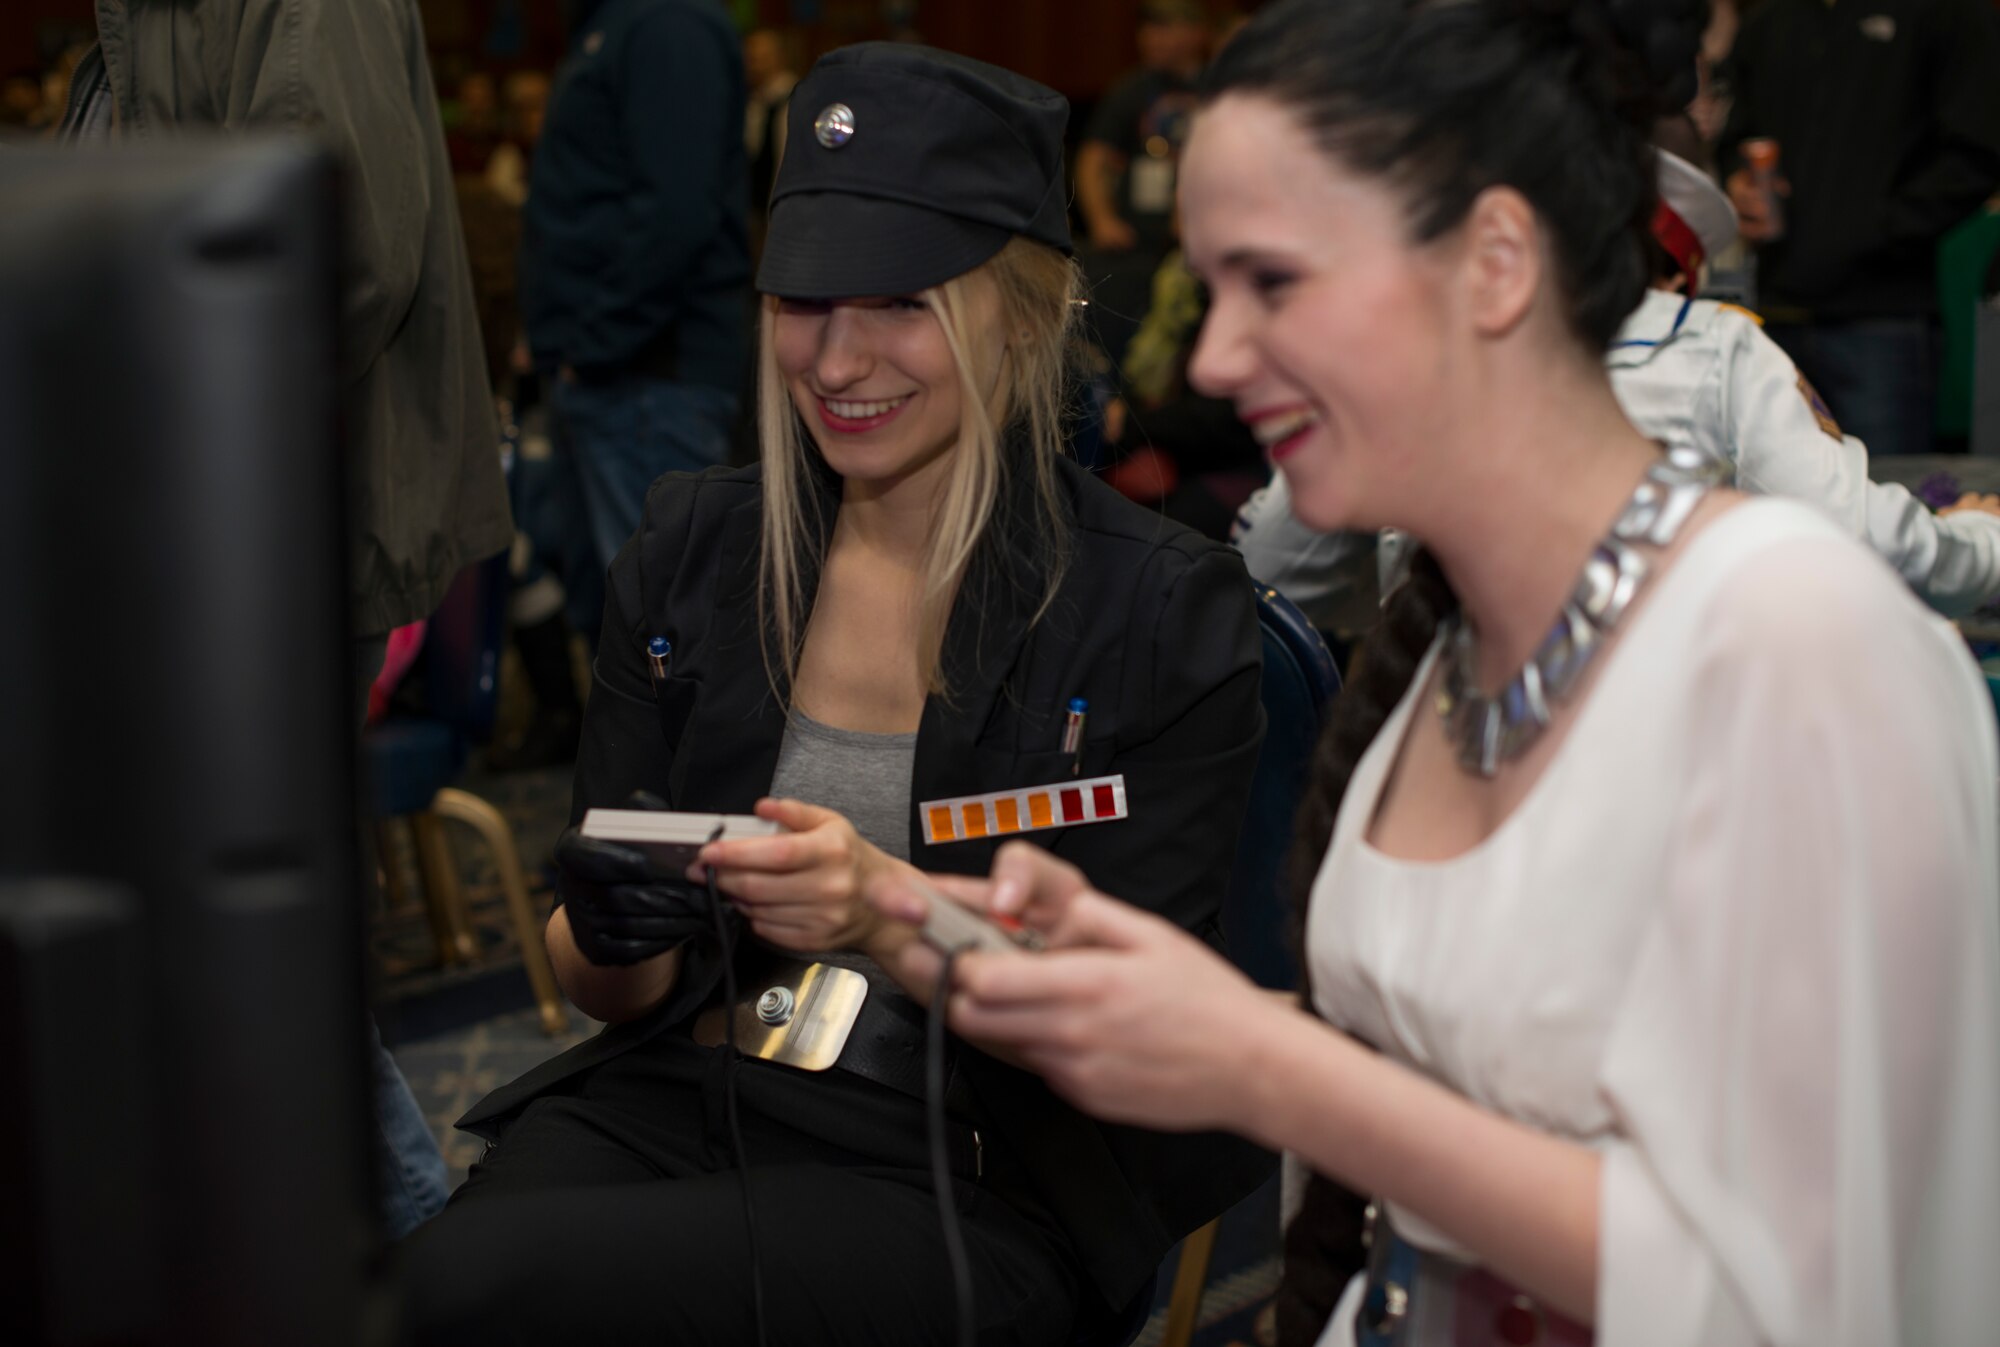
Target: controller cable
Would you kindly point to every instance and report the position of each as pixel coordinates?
(934, 1092)
(729, 1064)
(954, 1235)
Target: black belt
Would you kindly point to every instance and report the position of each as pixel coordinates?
(887, 1046)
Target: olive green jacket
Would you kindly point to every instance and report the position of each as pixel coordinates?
(428, 496)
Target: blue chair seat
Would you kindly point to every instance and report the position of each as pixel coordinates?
(410, 759)
(1300, 679)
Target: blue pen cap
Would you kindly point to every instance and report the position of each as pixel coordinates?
(1078, 706)
(659, 646)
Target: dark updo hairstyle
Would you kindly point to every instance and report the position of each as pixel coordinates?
(1442, 99)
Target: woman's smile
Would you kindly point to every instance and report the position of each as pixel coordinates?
(1281, 430)
(855, 416)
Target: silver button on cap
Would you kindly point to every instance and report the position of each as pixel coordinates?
(834, 126)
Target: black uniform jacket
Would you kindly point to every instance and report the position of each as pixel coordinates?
(1153, 624)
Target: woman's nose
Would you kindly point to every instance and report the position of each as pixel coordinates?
(1222, 361)
(844, 355)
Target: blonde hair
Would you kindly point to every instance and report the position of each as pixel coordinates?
(1016, 429)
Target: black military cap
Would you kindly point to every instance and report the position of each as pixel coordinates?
(906, 166)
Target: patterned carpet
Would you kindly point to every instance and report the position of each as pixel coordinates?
(461, 1032)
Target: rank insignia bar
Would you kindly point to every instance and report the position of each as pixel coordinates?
(1066, 804)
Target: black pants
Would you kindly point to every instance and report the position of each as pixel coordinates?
(614, 1215)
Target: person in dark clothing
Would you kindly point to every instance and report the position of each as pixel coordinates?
(1887, 118)
(1187, 452)
(1125, 165)
(771, 80)
(891, 612)
(634, 264)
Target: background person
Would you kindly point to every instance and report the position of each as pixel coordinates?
(1887, 118)
(768, 74)
(634, 262)
(1125, 164)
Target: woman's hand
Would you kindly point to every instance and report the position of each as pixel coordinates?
(622, 909)
(1126, 1015)
(800, 890)
(1975, 502)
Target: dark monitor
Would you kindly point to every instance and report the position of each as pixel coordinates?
(183, 1134)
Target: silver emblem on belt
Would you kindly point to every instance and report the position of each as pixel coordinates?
(775, 1006)
(802, 1017)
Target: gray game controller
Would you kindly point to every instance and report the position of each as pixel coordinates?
(952, 929)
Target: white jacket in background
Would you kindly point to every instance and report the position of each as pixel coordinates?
(1687, 372)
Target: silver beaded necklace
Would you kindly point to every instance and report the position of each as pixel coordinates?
(1489, 730)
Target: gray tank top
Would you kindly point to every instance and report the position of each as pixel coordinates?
(866, 777)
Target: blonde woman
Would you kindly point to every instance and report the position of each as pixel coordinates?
(900, 605)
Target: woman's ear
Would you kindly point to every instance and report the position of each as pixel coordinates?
(1504, 259)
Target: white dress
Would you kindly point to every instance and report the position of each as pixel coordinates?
(1743, 939)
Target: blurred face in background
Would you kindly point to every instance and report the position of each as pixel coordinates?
(1179, 45)
(478, 101)
(763, 57)
(20, 99)
(527, 103)
(55, 90)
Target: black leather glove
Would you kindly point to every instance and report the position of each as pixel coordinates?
(622, 908)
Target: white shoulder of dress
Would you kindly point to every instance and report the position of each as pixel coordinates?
(1786, 571)
(1794, 615)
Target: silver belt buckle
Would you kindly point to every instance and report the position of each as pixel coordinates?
(800, 1015)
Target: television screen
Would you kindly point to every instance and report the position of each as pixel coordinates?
(183, 1143)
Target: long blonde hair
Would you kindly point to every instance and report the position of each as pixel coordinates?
(1017, 428)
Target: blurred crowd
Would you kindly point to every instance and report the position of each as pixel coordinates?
(31, 101)
(593, 313)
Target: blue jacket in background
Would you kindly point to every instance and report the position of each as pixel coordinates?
(634, 255)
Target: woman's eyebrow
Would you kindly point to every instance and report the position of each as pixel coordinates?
(1251, 256)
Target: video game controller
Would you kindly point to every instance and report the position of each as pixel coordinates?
(671, 840)
(951, 928)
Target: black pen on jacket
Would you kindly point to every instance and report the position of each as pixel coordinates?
(659, 652)
(1072, 740)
